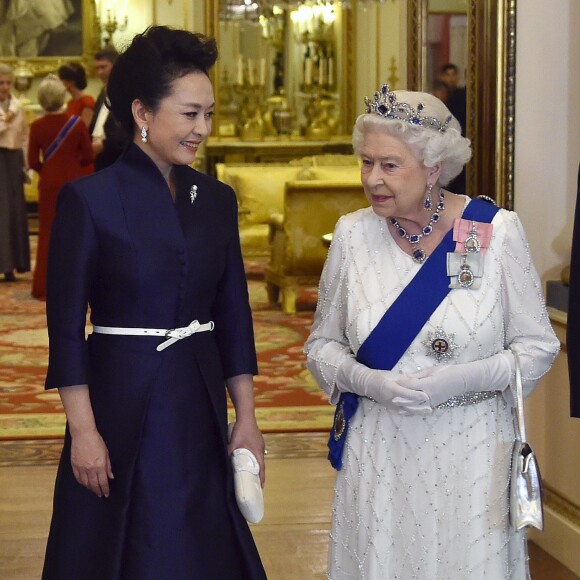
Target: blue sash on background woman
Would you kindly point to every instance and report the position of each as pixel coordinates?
(51, 149)
(402, 322)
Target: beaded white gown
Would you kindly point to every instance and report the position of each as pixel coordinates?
(418, 497)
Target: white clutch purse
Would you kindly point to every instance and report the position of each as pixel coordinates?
(247, 485)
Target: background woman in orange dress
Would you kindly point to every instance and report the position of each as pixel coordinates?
(59, 156)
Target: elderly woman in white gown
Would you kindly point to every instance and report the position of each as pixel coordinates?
(424, 299)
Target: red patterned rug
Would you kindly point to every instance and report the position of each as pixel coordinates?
(287, 398)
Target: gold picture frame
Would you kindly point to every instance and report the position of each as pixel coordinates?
(491, 79)
(89, 41)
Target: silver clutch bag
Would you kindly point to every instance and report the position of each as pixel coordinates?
(526, 505)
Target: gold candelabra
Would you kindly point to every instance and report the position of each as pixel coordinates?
(112, 25)
(314, 28)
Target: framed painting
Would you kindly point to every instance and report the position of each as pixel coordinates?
(44, 33)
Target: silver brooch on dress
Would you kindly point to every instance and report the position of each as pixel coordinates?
(440, 344)
(193, 193)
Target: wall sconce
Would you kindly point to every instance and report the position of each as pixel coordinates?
(113, 22)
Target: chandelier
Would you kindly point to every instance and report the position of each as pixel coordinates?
(254, 10)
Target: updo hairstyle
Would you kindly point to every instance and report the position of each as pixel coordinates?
(75, 73)
(429, 145)
(51, 93)
(151, 63)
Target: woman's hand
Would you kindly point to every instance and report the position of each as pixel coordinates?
(384, 387)
(90, 462)
(89, 454)
(441, 383)
(247, 435)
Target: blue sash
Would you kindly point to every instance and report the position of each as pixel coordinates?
(402, 322)
(60, 137)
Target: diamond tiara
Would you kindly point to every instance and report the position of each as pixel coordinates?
(385, 104)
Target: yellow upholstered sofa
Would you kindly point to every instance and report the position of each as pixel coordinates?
(311, 210)
(260, 190)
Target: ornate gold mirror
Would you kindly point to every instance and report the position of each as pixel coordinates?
(490, 82)
(283, 69)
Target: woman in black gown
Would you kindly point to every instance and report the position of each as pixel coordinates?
(144, 489)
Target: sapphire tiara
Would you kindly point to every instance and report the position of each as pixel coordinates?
(385, 104)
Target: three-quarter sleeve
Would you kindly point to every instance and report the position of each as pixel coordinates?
(328, 346)
(231, 310)
(71, 266)
(528, 331)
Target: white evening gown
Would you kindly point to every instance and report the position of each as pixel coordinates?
(426, 498)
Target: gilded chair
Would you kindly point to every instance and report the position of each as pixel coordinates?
(298, 252)
(260, 192)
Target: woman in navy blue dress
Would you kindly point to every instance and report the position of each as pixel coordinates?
(144, 489)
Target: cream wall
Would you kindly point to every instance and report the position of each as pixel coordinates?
(379, 30)
(547, 152)
(547, 148)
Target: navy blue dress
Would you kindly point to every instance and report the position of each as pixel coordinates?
(122, 246)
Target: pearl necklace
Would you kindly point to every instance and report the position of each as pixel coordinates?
(418, 254)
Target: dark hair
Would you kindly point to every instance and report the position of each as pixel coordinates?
(107, 53)
(155, 59)
(449, 66)
(74, 72)
(438, 85)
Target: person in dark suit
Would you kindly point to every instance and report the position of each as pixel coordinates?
(573, 332)
(145, 487)
(108, 136)
(457, 103)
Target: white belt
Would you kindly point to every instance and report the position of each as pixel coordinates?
(172, 334)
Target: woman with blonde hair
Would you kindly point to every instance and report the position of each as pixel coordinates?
(59, 148)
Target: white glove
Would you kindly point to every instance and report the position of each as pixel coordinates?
(441, 383)
(382, 387)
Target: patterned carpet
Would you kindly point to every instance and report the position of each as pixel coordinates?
(287, 397)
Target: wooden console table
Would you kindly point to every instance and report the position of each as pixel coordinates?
(226, 150)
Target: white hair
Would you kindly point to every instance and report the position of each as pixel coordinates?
(51, 93)
(431, 147)
(6, 69)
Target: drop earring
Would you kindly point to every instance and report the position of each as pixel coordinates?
(428, 203)
(144, 134)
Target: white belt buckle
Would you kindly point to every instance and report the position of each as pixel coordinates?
(175, 334)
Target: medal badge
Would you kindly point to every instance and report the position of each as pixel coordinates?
(472, 243)
(465, 276)
(440, 344)
(465, 265)
(339, 422)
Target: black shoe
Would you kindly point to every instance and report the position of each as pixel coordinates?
(9, 277)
